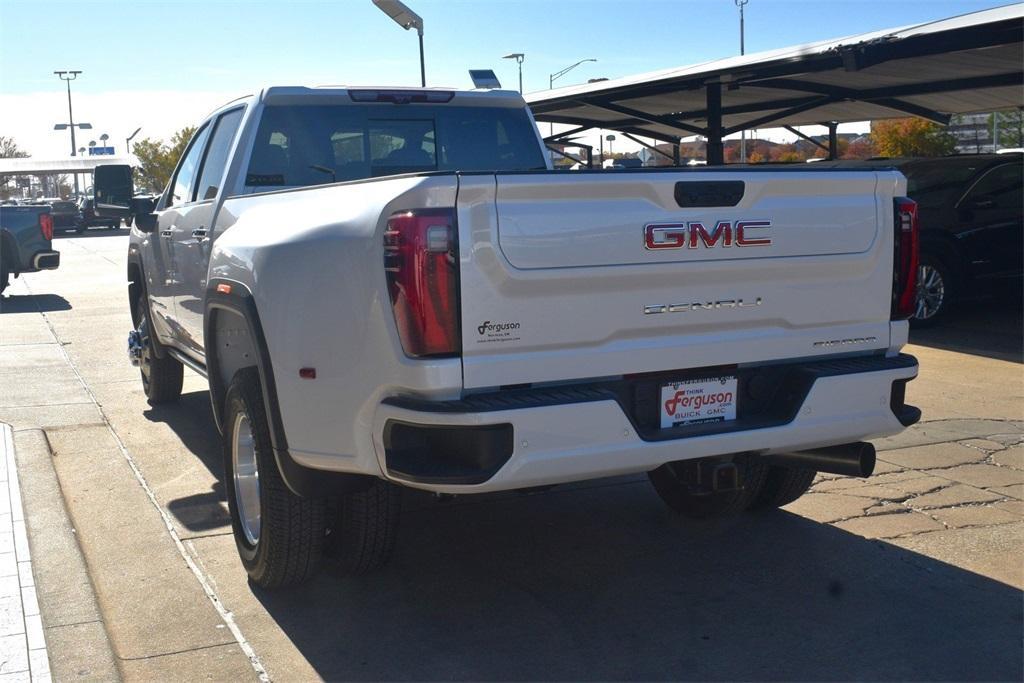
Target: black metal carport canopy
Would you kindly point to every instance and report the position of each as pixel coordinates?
(969, 63)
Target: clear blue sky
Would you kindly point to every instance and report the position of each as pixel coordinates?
(221, 45)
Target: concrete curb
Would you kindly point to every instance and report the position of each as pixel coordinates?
(78, 643)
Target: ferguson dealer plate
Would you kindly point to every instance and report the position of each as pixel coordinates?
(698, 401)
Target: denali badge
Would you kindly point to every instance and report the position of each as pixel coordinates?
(693, 235)
(845, 342)
(700, 306)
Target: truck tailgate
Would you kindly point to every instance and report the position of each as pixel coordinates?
(570, 276)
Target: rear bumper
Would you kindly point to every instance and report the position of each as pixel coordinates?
(534, 438)
(45, 260)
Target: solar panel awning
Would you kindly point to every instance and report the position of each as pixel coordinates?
(965, 64)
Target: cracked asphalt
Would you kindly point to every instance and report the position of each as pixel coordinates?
(913, 574)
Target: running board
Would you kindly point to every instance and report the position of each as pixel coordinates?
(189, 363)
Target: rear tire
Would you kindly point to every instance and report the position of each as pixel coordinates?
(364, 529)
(161, 377)
(673, 488)
(279, 536)
(783, 485)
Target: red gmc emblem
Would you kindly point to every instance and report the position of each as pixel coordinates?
(693, 235)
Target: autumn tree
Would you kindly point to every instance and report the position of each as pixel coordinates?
(911, 137)
(861, 148)
(157, 159)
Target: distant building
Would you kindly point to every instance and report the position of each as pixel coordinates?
(973, 133)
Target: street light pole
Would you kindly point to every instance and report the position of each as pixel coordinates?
(743, 133)
(407, 19)
(128, 141)
(518, 56)
(67, 77)
(558, 74)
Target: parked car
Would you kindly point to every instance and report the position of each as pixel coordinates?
(971, 210)
(391, 287)
(25, 241)
(66, 217)
(89, 219)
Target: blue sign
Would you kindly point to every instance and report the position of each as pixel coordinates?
(100, 151)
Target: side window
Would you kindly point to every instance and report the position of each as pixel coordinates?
(1000, 188)
(217, 154)
(184, 179)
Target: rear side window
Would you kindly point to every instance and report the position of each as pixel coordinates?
(184, 179)
(299, 145)
(217, 154)
(933, 184)
(1000, 188)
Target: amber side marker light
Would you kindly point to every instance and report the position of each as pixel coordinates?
(307, 373)
(223, 288)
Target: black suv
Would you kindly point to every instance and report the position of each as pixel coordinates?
(971, 212)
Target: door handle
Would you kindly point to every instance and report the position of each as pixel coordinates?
(167, 233)
(199, 234)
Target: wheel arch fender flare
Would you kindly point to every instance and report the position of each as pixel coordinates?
(235, 299)
(9, 251)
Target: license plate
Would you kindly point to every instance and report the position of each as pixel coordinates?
(698, 401)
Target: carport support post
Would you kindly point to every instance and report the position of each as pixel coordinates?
(715, 150)
(833, 141)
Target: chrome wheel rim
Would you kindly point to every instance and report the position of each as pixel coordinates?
(246, 478)
(931, 292)
(146, 358)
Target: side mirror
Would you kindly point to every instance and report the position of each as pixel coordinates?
(142, 209)
(112, 190)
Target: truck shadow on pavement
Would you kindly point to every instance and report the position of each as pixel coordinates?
(33, 303)
(600, 582)
(93, 232)
(190, 419)
(994, 329)
(597, 581)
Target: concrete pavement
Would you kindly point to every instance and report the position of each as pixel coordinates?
(912, 574)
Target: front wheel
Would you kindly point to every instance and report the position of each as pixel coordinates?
(161, 377)
(279, 535)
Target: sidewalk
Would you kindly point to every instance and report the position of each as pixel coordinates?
(23, 654)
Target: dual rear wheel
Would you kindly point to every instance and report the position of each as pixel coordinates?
(282, 538)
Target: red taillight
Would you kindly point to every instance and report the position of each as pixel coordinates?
(421, 260)
(46, 226)
(904, 280)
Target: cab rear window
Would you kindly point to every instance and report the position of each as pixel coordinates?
(299, 145)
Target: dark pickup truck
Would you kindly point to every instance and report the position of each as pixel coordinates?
(26, 234)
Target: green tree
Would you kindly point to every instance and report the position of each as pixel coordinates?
(157, 159)
(911, 137)
(1011, 127)
(9, 150)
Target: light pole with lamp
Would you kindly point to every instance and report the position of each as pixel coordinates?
(518, 56)
(128, 142)
(407, 19)
(67, 77)
(558, 74)
(743, 133)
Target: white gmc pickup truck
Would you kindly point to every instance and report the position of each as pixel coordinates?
(391, 288)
